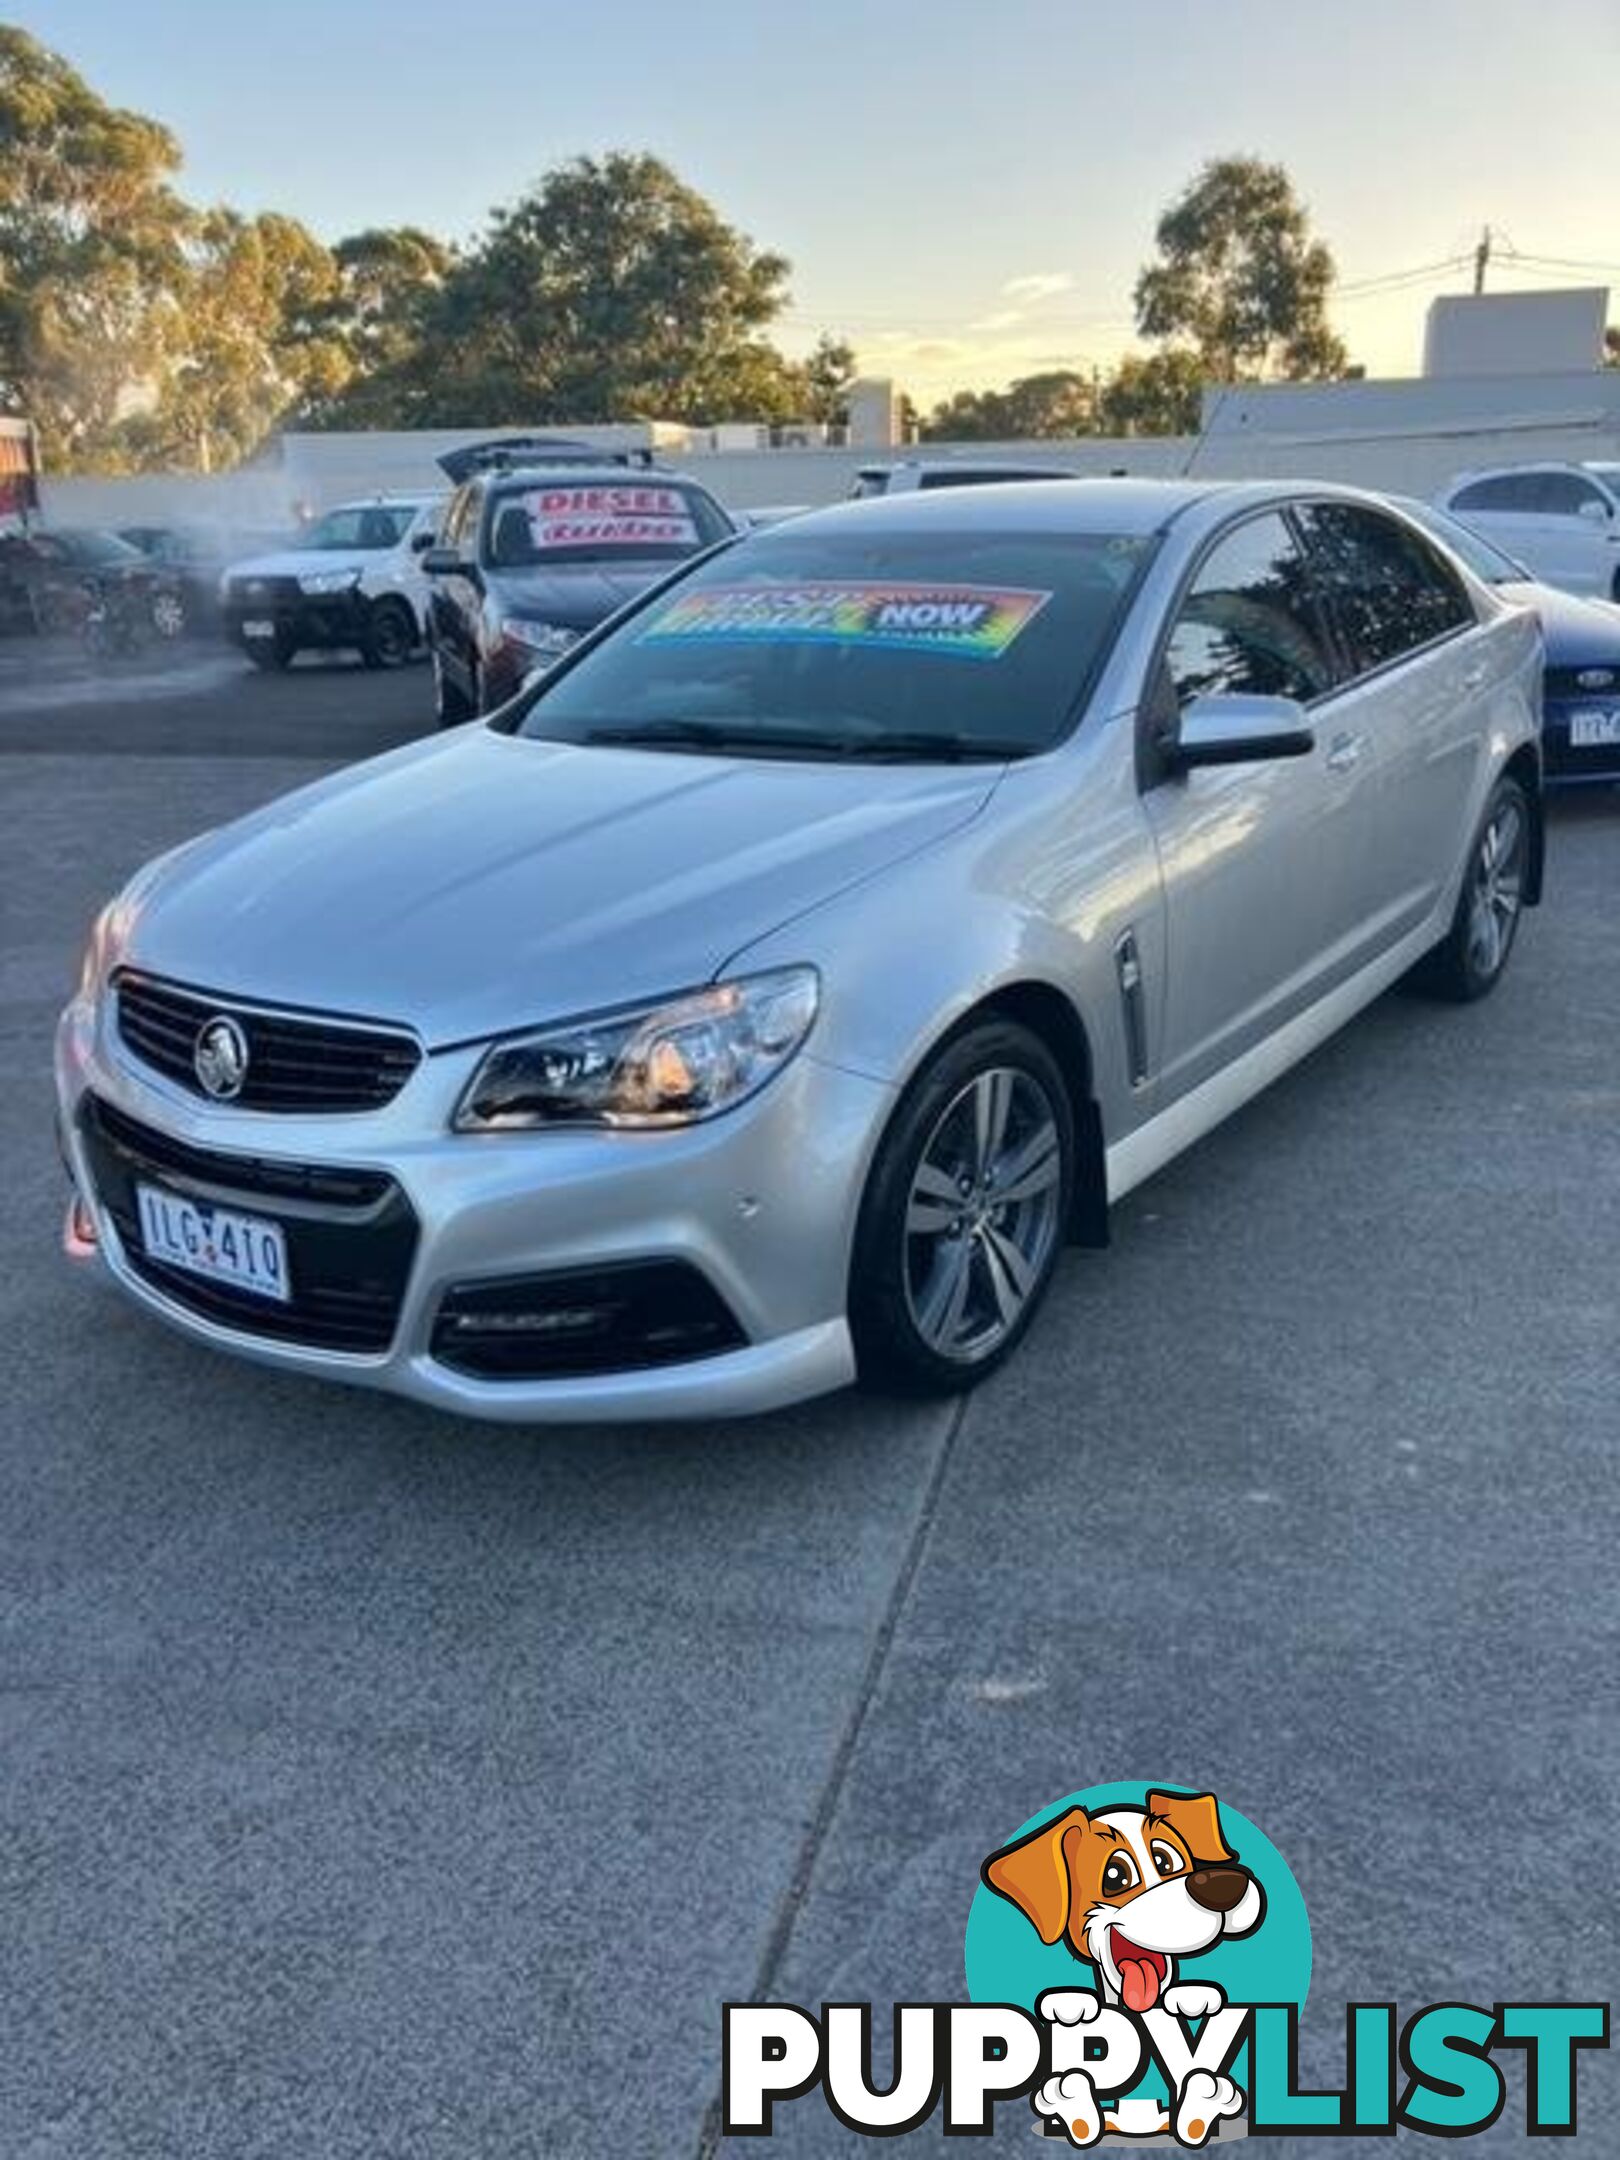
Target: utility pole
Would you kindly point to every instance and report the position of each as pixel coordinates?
(1482, 256)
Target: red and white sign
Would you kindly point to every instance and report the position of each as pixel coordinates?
(613, 516)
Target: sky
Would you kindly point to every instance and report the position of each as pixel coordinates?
(966, 188)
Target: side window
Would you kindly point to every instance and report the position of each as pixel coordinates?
(1388, 590)
(1249, 622)
(710, 520)
(1563, 494)
(1507, 492)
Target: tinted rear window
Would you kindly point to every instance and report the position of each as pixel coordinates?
(987, 639)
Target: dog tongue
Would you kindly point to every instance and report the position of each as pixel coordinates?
(1139, 1984)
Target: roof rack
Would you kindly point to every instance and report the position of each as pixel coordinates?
(507, 453)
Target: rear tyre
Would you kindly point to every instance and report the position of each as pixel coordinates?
(1469, 962)
(450, 704)
(964, 1213)
(390, 635)
(270, 654)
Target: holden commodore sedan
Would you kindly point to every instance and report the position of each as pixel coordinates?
(761, 999)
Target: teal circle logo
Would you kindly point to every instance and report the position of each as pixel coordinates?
(1130, 1892)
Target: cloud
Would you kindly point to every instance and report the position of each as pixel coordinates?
(1004, 319)
(1038, 285)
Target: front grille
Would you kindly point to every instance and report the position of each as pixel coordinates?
(265, 592)
(351, 1233)
(620, 1318)
(296, 1065)
(1562, 682)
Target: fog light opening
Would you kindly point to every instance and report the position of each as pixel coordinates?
(79, 1239)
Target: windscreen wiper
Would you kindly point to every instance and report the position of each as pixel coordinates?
(903, 745)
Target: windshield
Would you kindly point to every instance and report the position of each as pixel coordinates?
(546, 524)
(905, 645)
(102, 549)
(1482, 558)
(372, 525)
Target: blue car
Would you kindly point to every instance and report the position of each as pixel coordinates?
(1580, 698)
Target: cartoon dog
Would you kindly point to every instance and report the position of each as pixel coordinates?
(1131, 1889)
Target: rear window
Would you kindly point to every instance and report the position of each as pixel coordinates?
(546, 523)
(977, 644)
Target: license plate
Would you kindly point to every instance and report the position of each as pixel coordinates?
(1593, 729)
(258, 627)
(243, 1250)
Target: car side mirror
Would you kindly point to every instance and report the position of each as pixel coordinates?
(422, 541)
(445, 562)
(1235, 728)
(1598, 512)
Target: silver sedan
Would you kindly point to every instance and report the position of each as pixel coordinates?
(766, 995)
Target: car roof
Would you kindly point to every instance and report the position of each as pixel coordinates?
(1088, 506)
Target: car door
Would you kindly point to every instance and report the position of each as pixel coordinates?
(1582, 537)
(454, 602)
(1253, 856)
(1414, 650)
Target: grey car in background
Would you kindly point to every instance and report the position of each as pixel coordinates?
(771, 990)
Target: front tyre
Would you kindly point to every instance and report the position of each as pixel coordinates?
(1468, 964)
(450, 705)
(390, 635)
(964, 1213)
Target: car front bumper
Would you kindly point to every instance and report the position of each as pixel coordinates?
(760, 1204)
(300, 621)
(1564, 764)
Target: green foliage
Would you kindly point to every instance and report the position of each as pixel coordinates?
(136, 330)
(1157, 394)
(611, 292)
(1239, 277)
(91, 251)
(1051, 405)
(827, 377)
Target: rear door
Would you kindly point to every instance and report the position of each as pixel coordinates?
(1413, 700)
(1253, 857)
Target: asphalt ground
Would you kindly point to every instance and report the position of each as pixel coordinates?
(374, 1785)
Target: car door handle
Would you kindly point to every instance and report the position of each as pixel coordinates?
(1345, 752)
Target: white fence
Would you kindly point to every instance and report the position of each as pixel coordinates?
(1401, 458)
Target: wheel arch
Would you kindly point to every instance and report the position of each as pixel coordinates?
(1051, 1014)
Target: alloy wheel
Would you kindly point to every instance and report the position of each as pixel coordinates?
(982, 1215)
(1497, 890)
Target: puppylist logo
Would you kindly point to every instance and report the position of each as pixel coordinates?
(1137, 1961)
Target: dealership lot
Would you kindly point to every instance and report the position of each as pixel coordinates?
(374, 1784)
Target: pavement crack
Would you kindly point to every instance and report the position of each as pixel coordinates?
(779, 1940)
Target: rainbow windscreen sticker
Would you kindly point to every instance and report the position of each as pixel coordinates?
(977, 622)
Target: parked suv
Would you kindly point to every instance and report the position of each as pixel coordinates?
(352, 581)
(1561, 521)
(532, 558)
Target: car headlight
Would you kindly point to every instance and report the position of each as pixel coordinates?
(328, 581)
(545, 640)
(672, 1063)
(93, 967)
